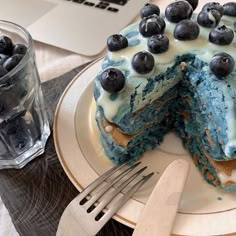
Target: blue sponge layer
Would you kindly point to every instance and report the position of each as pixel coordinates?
(186, 108)
(128, 118)
(122, 147)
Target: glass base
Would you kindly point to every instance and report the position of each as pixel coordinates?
(37, 149)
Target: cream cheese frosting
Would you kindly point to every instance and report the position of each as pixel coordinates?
(201, 47)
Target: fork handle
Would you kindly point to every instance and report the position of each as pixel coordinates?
(159, 213)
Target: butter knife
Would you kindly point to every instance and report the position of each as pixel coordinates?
(158, 216)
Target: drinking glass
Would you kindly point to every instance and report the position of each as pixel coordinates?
(24, 127)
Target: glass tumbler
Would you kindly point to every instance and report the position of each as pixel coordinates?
(24, 127)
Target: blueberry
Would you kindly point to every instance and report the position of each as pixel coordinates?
(230, 9)
(116, 42)
(186, 30)
(3, 58)
(17, 132)
(177, 11)
(158, 43)
(20, 140)
(221, 35)
(12, 61)
(152, 25)
(5, 45)
(13, 125)
(222, 64)
(3, 71)
(193, 3)
(11, 129)
(149, 9)
(213, 5)
(112, 80)
(209, 19)
(143, 62)
(19, 49)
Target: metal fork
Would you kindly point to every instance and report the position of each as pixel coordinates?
(85, 214)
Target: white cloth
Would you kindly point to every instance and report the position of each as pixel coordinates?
(53, 62)
(6, 226)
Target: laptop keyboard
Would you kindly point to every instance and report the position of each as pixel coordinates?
(119, 2)
(103, 5)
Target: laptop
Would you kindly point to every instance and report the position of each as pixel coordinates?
(81, 26)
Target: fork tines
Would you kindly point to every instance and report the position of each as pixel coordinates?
(103, 196)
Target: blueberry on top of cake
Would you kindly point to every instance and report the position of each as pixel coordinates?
(173, 71)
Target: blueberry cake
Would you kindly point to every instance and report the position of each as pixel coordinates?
(173, 72)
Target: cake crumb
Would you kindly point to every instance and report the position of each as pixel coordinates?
(108, 128)
(183, 65)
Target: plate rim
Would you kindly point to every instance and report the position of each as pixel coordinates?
(70, 175)
(67, 170)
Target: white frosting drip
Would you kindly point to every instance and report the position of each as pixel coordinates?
(231, 123)
(157, 92)
(224, 178)
(176, 47)
(126, 55)
(110, 108)
(108, 128)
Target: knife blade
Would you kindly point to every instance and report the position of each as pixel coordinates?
(159, 213)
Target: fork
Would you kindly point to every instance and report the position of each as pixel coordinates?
(85, 214)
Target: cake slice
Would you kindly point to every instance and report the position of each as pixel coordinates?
(166, 73)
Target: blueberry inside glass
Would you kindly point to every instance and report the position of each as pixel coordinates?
(24, 127)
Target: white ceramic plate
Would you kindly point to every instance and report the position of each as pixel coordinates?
(204, 210)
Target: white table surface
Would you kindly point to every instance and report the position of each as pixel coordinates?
(53, 62)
